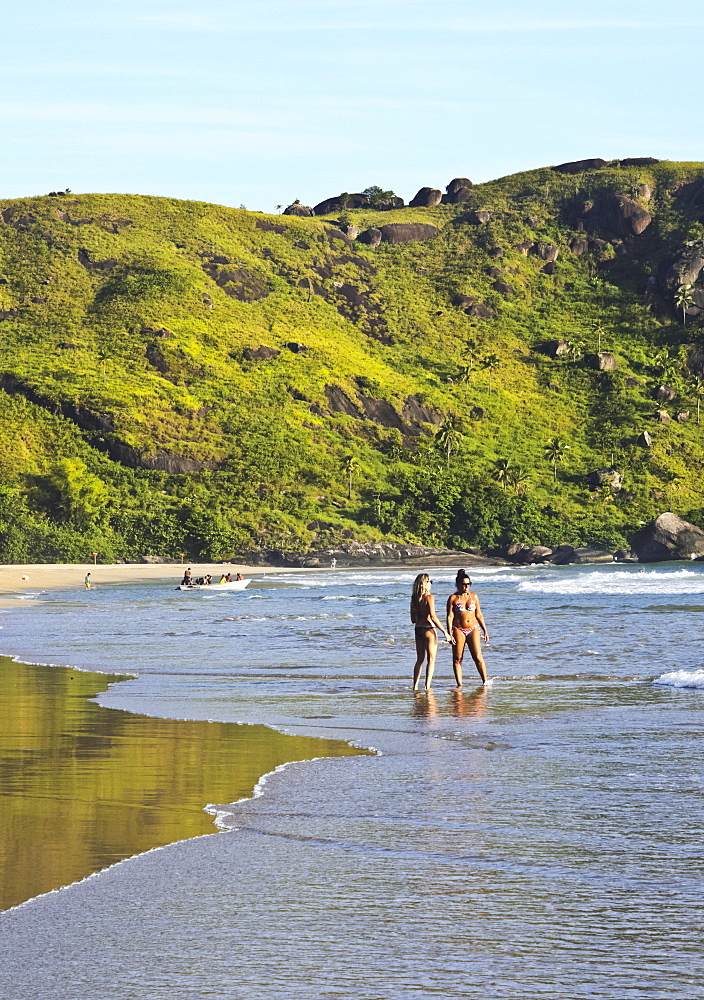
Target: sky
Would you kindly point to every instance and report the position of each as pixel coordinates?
(258, 103)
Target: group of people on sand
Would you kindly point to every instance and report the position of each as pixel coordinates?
(464, 621)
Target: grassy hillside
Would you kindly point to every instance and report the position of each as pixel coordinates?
(139, 415)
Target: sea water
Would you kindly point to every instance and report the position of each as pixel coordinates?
(537, 838)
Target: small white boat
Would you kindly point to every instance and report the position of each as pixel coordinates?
(232, 585)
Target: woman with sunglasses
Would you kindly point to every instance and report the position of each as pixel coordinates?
(425, 623)
(464, 619)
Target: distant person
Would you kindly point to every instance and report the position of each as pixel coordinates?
(333, 563)
(239, 577)
(187, 578)
(208, 579)
(464, 619)
(223, 578)
(228, 578)
(425, 623)
(86, 580)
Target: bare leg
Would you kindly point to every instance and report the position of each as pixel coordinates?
(475, 648)
(457, 652)
(420, 656)
(431, 644)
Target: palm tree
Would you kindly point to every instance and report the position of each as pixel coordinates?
(466, 376)
(598, 330)
(517, 479)
(698, 389)
(683, 300)
(351, 468)
(575, 351)
(449, 435)
(555, 451)
(501, 471)
(489, 363)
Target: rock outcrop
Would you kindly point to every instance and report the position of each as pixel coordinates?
(371, 553)
(605, 477)
(685, 268)
(458, 190)
(407, 232)
(261, 353)
(668, 537)
(580, 166)
(426, 198)
(546, 251)
(602, 362)
(341, 202)
(370, 237)
(616, 214)
(304, 211)
(480, 217)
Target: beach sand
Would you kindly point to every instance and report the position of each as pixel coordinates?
(19, 579)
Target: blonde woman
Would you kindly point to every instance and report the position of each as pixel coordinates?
(425, 623)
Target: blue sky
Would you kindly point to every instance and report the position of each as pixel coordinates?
(258, 103)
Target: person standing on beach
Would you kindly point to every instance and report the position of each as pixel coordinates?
(425, 623)
(464, 619)
(86, 580)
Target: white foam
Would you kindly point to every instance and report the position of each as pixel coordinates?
(619, 581)
(681, 679)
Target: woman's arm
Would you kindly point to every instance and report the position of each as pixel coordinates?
(431, 615)
(450, 613)
(480, 618)
(413, 612)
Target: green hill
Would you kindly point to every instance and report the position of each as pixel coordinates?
(184, 377)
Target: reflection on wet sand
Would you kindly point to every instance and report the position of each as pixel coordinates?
(462, 705)
(82, 787)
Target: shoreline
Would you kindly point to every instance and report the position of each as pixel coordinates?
(18, 577)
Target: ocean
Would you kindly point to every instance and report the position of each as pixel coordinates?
(540, 837)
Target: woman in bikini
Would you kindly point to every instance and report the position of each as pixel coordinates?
(464, 619)
(425, 623)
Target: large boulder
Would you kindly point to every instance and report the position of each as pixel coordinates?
(617, 214)
(605, 477)
(580, 166)
(371, 237)
(563, 555)
(668, 537)
(458, 190)
(557, 348)
(304, 211)
(458, 184)
(480, 217)
(665, 393)
(591, 554)
(638, 161)
(407, 232)
(341, 202)
(685, 268)
(546, 251)
(480, 310)
(261, 353)
(604, 361)
(426, 198)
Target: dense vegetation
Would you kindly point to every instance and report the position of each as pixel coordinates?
(139, 415)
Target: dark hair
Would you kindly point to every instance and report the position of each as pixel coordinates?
(461, 574)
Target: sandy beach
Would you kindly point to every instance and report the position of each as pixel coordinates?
(27, 579)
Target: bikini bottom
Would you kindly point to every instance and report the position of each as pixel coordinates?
(465, 631)
(424, 628)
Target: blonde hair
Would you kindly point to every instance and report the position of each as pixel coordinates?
(421, 587)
